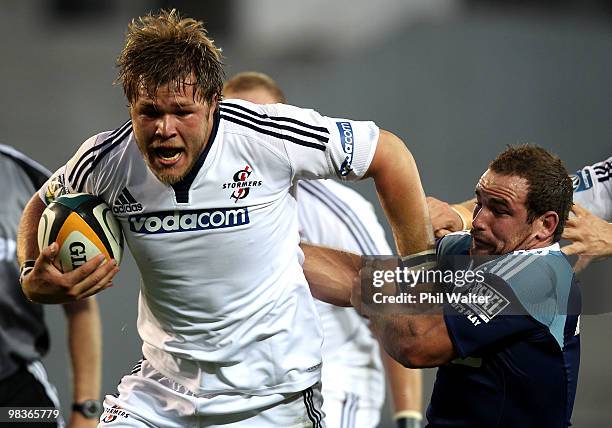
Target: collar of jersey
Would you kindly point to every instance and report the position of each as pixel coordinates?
(181, 189)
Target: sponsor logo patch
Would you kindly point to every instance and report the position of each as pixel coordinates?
(126, 203)
(111, 414)
(347, 140)
(241, 183)
(582, 180)
(486, 303)
(188, 221)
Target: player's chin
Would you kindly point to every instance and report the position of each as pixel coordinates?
(169, 173)
(481, 248)
(170, 176)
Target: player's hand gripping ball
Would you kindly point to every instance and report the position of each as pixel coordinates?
(83, 226)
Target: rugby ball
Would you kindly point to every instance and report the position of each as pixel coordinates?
(83, 226)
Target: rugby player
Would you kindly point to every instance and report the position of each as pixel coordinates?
(588, 228)
(513, 359)
(331, 214)
(201, 189)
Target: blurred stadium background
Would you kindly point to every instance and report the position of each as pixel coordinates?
(458, 80)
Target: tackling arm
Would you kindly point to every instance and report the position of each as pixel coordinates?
(413, 340)
(330, 273)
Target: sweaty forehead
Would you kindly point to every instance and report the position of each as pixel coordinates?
(172, 90)
(511, 188)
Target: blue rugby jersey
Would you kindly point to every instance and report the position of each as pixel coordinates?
(518, 354)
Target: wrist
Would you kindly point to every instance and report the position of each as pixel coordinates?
(464, 215)
(90, 409)
(24, 270)
(408, 419)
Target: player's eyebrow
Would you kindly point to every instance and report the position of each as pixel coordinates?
(499, 201)
(492, 199)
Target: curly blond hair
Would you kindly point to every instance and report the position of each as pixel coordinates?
(166, 49)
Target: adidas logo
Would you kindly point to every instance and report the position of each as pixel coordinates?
(126, 203)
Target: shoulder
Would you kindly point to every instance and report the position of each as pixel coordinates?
(454, 244)
(280, 122)
(541, 279)
(547, 263)
(97, 151)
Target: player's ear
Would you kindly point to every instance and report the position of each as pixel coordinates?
(546, 225)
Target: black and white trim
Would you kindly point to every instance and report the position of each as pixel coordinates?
(349, 411)
(137, 367)
(293, 131)
(90, 159)
(344, 213)
(314, 415)
(603, 170)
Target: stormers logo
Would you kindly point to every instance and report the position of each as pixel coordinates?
(110, 414)
(241, 183)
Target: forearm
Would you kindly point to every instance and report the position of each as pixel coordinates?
(27, 236)
(330, 273)
(401, 195)
(84, 342)
(405, 385)
(414, 341)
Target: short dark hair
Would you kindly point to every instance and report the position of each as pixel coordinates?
(249, 80)
(550, 188)
(164, 48)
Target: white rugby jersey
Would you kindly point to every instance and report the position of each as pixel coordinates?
(224, 305)
(336, 216)
(593, 188)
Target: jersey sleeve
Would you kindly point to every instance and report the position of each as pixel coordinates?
(78, 175)
(593, 188)
(327, 147)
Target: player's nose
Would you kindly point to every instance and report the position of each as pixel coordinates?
(479, 220)
(165, 127)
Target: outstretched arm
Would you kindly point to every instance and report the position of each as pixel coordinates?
(45, 283)
(401, 195)
(84, 343)
(330, 273)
